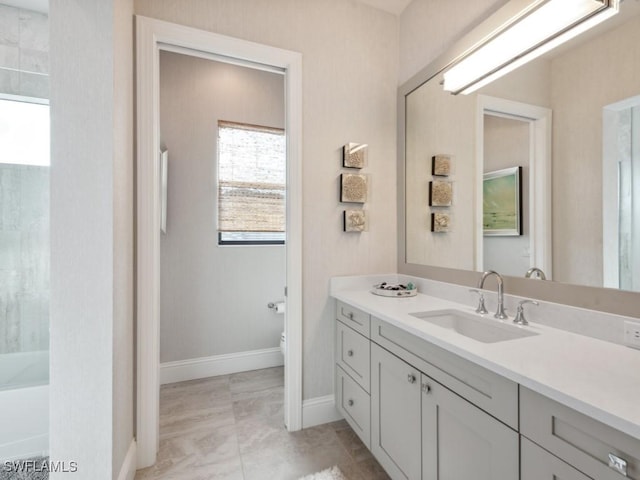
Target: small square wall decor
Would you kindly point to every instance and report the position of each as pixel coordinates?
(440, 193)
(356, 221)
(441, 165)
(353, 188)
(440, 222)
(355, 155)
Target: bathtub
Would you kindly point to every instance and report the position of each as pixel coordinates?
(24, 405)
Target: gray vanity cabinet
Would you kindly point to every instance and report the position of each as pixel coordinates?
(538, 464)
(395, 415)
(461, 441)
(590, 446)
(352, 369)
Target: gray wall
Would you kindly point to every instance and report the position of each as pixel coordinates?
(213, 299)
(24, 52)
(91, 389)
(350, 68)
(24, 258)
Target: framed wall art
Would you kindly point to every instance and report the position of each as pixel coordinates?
(441, 165)
(355, 221)
(440, 193)
(440, 222)
(355, 155)
(353, 188)
(502, 202)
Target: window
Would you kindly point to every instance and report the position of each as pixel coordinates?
(251, 184)
(24, 132)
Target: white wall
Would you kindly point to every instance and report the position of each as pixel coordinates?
(91, 235)
(213, 298)
(581, 87)
(349, 87)
(440, 123)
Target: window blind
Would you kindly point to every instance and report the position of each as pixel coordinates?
(251, 178)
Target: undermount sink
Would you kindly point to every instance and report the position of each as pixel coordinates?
(482, 329)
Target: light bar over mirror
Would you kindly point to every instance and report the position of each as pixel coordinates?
(538, 28)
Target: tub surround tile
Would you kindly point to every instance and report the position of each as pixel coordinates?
(9, 81)
(9, 25)
(34, 85)
(34, 30)
(24, 52)
(9, 56)
(34, 61)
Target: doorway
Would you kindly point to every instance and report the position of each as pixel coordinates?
(154, 36)
(529, 130)
(223, 248)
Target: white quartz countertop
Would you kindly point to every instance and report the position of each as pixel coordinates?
(597, 378)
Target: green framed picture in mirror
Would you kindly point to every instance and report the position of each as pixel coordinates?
(502, 202)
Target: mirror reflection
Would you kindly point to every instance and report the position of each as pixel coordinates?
(569, 123)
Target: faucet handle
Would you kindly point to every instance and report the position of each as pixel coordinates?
(481, 309)
(520, 319)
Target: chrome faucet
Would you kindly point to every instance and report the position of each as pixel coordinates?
(500, 313)
(520, 319)
(540, 274)
(481, 309)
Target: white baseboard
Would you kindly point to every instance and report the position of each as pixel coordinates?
(192, 369)
(319, 410)
(128, 469)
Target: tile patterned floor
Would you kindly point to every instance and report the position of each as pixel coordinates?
(231, 427)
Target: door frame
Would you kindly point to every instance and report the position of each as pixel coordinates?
(540, 225)
(152, 36)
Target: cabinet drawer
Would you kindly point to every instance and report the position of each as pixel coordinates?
(538, 464)
(356, 319)
(353, 354)
(492, 393)
(354, 404)
(581, 441)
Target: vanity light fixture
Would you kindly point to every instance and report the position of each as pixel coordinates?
(535, 30)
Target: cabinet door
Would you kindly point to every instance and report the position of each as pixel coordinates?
(538, 464)
(395, 415)
(460, 441)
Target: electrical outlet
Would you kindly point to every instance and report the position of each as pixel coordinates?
(632, 334)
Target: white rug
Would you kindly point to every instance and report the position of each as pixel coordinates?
(332, 473)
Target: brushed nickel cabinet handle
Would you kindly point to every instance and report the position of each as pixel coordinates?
(350, 403)
(411, 378)
(618, 464)
(350, 353)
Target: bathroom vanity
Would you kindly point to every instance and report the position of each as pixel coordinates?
(433, 396)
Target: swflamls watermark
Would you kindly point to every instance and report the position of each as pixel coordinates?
(39, 466)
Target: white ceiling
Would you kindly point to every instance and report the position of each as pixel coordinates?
(37, 5)
(393, 6)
